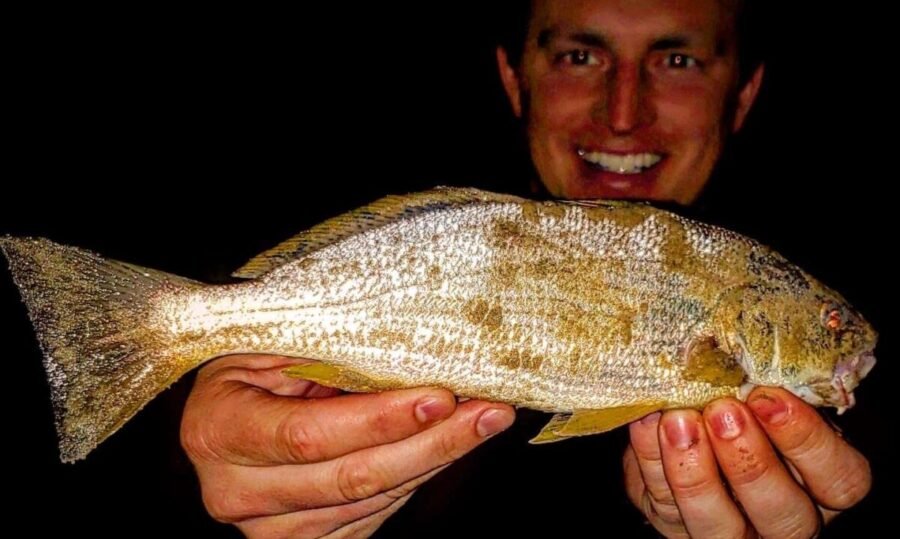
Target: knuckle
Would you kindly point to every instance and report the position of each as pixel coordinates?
(658, 487)
(401, 491)
(304, 439)
(694, 487)
(849, 487)
(407, 489)
(197, 440)
(799, 525)
(646, 449)
(805, 440)
(660, 512)
(357, 480)
(661, 495)
(203, 432)
(227, 505)
(383, 420)
(449, 448)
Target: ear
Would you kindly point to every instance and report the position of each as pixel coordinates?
(510, 79)
(746, 97)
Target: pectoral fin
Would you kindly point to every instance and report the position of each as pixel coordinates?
(706, 362)
(333, 376)
(550, 431)
(584, 422)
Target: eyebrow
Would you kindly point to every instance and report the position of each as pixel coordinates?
(596, 39)
(590, 39)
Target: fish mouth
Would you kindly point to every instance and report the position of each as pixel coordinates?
(838, 391)
(847, 376)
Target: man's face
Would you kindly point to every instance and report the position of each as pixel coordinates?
(628, 98)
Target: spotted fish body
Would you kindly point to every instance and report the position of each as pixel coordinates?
(599, 311)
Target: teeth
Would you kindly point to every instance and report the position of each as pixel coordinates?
(621, 164)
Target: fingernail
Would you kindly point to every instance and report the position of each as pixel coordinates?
(726, 421)
(682, 432)
(769, 408)
(651, 419)
(431, 409)
(494, 421)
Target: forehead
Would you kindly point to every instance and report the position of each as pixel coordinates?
(630, 21)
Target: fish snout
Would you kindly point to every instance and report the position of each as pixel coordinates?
(847, 376)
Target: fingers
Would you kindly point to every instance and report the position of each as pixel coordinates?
(365, 527)
(689, 462)
(655, 500)
(248, 426)
(322, 523)
(836, 474)
(634, 483)
(773, 501)
(692, 449)
(279, 466)
(338, 519)
(357, 476)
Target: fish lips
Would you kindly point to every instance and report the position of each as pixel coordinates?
(838, 391)
(847, 375)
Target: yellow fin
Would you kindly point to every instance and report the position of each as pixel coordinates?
(549, 433)
(332, 376)
(377, 214)
(584, 422)
(706, 362)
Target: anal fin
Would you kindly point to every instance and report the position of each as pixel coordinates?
(550, 432)
(585, 422)
(341, 378)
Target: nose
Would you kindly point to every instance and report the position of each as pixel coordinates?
(626, 105)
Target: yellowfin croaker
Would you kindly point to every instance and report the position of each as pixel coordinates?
(599, 311)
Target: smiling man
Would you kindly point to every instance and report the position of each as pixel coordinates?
(628, 99)
(620, 99)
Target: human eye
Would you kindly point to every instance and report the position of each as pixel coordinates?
(578, 57)
(677, 60)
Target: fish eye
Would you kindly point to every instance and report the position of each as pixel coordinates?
(832, 317)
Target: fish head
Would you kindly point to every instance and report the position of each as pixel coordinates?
(791, 331)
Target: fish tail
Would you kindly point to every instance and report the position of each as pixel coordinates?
(104, 358)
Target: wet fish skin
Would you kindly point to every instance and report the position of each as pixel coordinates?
(568, 307)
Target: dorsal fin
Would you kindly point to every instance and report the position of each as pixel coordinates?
(384, 211)
(604, 203)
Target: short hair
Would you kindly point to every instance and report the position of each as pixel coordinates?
(513, 16)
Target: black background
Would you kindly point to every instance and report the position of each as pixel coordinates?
(190, 141)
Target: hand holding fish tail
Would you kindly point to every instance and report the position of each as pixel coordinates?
(673, 465)
(282, 457)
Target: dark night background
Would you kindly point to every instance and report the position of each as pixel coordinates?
(190, 141)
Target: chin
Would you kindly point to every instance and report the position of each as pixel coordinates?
(610, 185)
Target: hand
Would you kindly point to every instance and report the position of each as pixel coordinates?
(282, 457)
(672, 469)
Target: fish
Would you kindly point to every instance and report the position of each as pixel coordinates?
(597, 311)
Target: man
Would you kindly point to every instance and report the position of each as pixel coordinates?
(620, 99)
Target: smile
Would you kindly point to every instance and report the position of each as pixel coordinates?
(633, 163)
